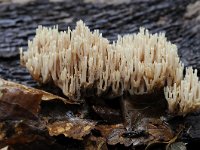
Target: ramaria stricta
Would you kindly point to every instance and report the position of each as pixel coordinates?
(80, 60)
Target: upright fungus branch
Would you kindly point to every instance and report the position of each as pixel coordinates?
(79, 60)
(83, 63)
(185, 97)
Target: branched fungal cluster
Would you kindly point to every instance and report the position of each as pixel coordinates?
(185, 97)
(79, 61)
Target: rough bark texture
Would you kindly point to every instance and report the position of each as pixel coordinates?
(178, 19)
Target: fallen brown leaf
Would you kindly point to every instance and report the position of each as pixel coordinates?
(19, 101)
(9, 111)
(73, 128)
(45, 95)
(29, 101)
(20, 122)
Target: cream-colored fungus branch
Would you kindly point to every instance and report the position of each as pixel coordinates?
(185, 97)
(80, 59)
(147, 62)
